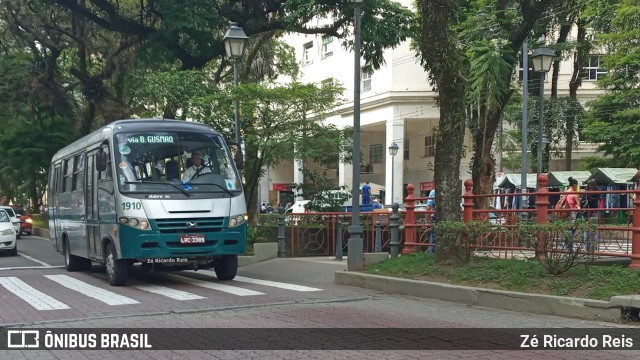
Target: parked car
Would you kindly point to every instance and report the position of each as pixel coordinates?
(8, 235)
(15, 220)
(26, 221)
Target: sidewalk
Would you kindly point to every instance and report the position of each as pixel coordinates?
(617, 309)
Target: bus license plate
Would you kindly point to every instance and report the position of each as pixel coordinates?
(192, 239)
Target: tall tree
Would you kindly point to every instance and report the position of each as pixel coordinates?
(443, 57)
(614, 118)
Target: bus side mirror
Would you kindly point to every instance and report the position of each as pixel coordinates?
(101, 160)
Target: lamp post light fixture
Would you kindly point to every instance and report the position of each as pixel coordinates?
(355, 251)
(235, 41)
(541, 59)
(393, 151)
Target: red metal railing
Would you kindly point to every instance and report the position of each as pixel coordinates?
(620, 241)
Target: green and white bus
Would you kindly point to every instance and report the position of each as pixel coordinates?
(119, 196)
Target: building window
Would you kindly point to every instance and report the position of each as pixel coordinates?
(306, 53)
(326, 47)
(406, 149)
(594, 70)
(429, 146)
(326, 83)
(375, 154)
(366, 80)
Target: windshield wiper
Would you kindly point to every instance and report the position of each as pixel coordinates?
(218, 185)
(159, 183)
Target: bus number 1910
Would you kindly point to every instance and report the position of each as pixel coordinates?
(131, 205)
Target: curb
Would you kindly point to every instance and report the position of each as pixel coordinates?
(585, 309)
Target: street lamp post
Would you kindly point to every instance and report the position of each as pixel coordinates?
(355, 251)
(393, 150)
(235, 41)
(541, 59)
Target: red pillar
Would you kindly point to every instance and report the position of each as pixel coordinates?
(635, 237)
(410, 222)
(467, 215)
(542, 210)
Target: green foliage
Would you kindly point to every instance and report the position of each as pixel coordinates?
(600, 282)
(455, 239)
(255, 234)
(591, 163)
(561, 115)
(614, 118)
(489, 69)
(323, 194)
(559, 245)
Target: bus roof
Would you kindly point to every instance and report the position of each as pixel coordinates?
(105, 132)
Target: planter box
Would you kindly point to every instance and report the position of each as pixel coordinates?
(41, 232)
(261, 252)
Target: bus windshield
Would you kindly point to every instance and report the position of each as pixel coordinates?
(174, 161)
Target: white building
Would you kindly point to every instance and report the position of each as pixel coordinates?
(397, 105)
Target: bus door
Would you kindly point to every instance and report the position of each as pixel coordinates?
(91, 193)
(54, 206)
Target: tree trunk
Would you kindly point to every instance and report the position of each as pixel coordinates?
(579, 59)
(483, 164)
(447, 72)
(562, 38)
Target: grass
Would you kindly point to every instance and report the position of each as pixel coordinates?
(40, 221)
(595, 282)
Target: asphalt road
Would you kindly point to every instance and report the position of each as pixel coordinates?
(280, 293)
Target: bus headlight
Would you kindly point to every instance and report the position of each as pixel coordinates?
(237, 220)
(142, 224)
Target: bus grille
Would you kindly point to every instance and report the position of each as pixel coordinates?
(179, 226)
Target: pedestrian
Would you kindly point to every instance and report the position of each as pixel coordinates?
(366, 194)
(376, 204)
(591, 202)
(431, 206)
(573, 203)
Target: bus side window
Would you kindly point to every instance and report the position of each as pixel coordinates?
(78, 173)
(67, 173)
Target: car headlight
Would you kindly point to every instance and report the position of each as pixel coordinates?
(29, 221)
(238, 220)
(8, 232)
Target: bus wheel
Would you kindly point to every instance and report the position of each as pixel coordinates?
(74, 263)
(226, 267)
(117, 269)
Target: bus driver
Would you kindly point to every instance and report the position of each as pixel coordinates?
(196, 169)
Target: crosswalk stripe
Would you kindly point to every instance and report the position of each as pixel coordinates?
(35, 298)
(168, 292)
(215, 286)
(275, 284)
(107, 297)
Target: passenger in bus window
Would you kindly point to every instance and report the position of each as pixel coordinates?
(196, 169)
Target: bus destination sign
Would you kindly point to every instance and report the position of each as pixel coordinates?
(151, 139)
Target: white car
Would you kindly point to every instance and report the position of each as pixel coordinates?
(8, 235)
(15, 220)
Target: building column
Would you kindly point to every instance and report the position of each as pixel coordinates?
(345, 173)
(298, 176)
(264, 187)
(395, 133)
